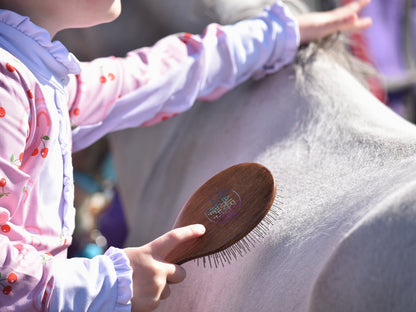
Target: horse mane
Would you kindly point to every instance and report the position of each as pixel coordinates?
(337, 49)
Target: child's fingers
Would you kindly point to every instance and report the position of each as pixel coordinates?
(346, 18)
(175, 274)
(163, 245)
(363, 23)
(355, 24)
(316, 25)
(347, 14)
(165, 293)
(353, 7)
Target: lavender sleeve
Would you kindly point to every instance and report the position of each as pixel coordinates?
(103, 283)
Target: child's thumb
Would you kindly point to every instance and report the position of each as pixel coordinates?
(166, 243)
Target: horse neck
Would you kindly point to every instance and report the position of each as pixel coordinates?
(331, 91)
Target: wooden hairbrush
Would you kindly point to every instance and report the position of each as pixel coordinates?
(232, 204)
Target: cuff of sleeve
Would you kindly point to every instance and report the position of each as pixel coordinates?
(124, 278)
(288, 28)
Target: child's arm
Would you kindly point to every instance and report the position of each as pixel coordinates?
(153, 84)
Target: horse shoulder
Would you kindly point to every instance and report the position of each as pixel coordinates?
(372, 269)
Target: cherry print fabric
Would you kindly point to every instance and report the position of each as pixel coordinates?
(51, 104)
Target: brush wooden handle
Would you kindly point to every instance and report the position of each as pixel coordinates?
(229, 205)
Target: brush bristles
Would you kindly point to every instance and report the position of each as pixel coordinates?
(242, 247)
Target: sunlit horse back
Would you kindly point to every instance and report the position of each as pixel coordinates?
(346, 169)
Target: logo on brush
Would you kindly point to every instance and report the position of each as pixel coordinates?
(223, 206)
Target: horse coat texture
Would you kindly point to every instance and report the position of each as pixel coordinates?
(345, 166)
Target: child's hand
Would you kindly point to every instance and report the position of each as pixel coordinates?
(315, 25)
(151, 274)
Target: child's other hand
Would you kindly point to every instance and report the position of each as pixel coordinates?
(151, 274)
(315, 25)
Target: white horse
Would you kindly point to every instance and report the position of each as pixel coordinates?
(345, 165)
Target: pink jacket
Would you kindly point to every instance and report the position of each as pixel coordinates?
(51, 104)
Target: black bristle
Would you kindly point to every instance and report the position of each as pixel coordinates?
(243, 246)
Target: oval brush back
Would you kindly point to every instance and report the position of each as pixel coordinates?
(230, 205)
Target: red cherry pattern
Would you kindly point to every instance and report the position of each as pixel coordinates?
(3, 183)
(44, 151)
(17, 161)
(11, 279)
(10, 67)
(111, 76)
(5, 228)
(104, 78)
(2, 112)
(7, 290)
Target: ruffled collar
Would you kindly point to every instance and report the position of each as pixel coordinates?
(33, 46)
